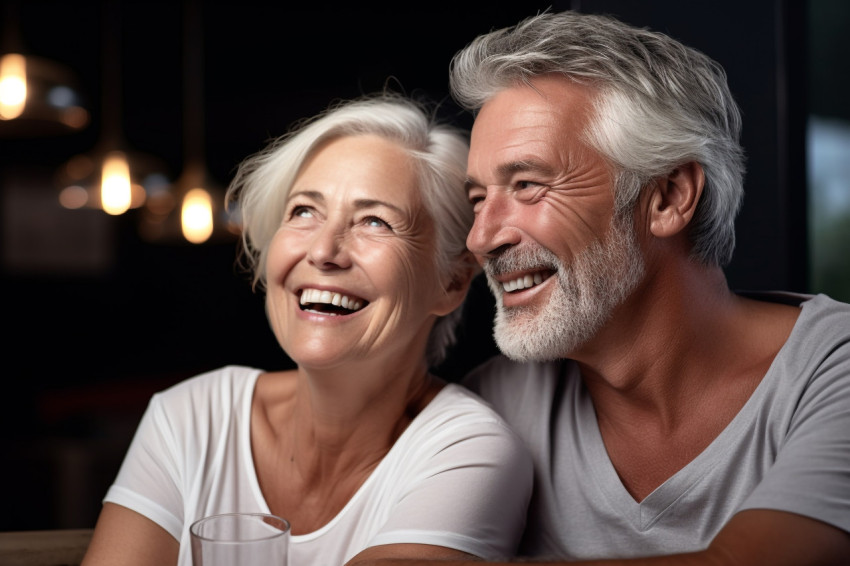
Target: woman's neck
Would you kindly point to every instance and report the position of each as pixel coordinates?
(315, 444)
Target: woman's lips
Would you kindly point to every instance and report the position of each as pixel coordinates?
(327, 302)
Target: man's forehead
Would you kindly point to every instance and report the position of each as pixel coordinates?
(546, 104)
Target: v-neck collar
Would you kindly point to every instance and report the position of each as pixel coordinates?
(644, 514)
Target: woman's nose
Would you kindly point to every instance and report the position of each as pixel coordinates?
(494, 228)
(328, 248)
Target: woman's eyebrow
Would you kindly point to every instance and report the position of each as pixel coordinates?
(360, 203)
(372, 203)
(314, 195)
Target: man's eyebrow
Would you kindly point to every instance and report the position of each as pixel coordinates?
(523, 166)
(511, 168)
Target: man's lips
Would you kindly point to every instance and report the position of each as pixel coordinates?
(525, 281)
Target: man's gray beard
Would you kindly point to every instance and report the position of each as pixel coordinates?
(589, 289)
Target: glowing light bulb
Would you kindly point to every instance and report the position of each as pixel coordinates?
(13, 86)
(196, 218)
(115, 190)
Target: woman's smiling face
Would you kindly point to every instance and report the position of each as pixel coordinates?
(351, 268)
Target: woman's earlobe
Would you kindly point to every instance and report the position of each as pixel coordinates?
(466, 267)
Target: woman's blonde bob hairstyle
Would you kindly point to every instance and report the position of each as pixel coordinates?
(260, 188)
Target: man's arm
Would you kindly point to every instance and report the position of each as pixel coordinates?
(751, 537)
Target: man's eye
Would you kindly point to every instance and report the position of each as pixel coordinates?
(477, 204)
(530, 192)
(476, 198)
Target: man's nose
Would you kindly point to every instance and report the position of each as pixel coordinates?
(328, 247)
(494, 228)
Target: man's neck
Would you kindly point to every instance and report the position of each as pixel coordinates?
(673, 319)
(675, 366)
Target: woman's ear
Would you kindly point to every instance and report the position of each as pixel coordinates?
(454, 291)
(674, 198)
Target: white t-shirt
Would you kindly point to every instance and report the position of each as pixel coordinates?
(456, 477)
(787, 449)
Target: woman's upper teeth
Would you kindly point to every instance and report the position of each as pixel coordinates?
(314, 296)
(523, 282)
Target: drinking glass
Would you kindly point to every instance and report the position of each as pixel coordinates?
(240, 539)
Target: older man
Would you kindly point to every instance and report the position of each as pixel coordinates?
(672, 421)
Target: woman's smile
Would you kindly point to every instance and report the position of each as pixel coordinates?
(329, 302)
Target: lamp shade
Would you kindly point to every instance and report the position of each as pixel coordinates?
(111, 178)
(193, 209)
(190, 211)
(38, 97)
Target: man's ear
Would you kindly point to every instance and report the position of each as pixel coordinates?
(454, 291)
(673, 199)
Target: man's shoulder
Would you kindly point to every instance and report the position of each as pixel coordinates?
(811, 302)
(820, 314)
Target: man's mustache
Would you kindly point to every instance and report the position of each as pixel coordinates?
(521, 258)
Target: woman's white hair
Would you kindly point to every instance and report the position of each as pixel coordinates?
(661, 104)
(261, 186)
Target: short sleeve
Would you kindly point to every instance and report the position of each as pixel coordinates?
(148, 481)
(467, 484)
(811, 474)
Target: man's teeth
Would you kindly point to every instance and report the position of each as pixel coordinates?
(317, 296)
(522, 282)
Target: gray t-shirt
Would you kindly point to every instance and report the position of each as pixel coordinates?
(787, 449)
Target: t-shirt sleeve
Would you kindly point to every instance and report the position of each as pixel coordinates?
(811, 473)
(468, 484)
(148, 481)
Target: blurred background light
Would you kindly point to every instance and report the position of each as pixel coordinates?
(38, 96)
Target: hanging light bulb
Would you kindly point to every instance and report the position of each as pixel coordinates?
(111, 177)
(13, 86)
(192, 209)
(196, 217)
(38, 97)
(115, 192)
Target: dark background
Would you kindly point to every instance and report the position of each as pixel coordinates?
(95, 319)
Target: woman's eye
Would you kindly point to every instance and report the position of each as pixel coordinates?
(375, 222)
(301, 212)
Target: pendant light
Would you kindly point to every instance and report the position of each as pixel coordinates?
(38, 97)
(112, 177)
(192, 210)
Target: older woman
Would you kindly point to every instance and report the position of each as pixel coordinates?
(355, 226)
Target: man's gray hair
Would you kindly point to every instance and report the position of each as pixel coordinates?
(661, 104)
